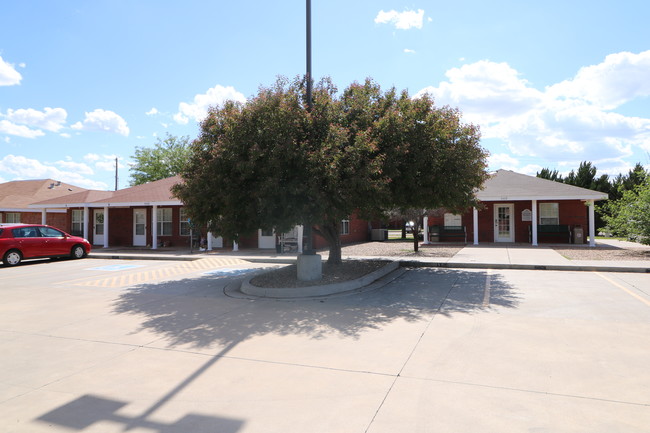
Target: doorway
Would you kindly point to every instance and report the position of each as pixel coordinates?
(139, 227)
(504, 222)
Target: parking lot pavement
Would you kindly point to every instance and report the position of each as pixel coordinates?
(434, 350)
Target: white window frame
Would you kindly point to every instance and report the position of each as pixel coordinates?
(549, 214)
(184, 223)
(345, 227)
(453, 220)
(12, 217)
(77, 219)
(165, 216)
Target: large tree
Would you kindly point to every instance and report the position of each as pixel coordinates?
(167, 158)
(630, 215)
(270, 163)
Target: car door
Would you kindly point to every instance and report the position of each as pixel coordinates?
(55, 242)
(29, 241)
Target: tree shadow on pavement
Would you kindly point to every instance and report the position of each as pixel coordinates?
(196, 312)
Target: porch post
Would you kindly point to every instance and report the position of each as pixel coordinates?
(86, 222)
(592, 224)
(235, 246)
(534, 223)
(154, 227)
(425, 223)
(106, 226)
(43, 216)
(301, 230)
(209, 241)
(475, 224)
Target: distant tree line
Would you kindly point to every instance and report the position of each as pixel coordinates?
(627, 212)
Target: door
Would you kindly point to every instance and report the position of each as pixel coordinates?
(266, 239)
(98, 226)
(139, 227)
(504, 223)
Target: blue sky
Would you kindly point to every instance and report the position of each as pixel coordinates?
(550, 83)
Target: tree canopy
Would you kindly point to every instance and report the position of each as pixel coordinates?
(166, 159)
(271, 163)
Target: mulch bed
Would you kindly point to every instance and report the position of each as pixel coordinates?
(332, 274)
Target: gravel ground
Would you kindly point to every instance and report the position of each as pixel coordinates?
(400, 248)
(604, 253)
(286, 276)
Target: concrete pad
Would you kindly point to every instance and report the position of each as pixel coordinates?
(416, 405)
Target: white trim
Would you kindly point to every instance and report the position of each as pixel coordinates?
(592, 224)
(542, 197)
(425, 223)
(475, 224)
(154, 228)
(534, 240)
(106, 227)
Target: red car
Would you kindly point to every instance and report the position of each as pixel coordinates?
(31, 241)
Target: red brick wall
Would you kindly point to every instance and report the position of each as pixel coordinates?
(571, 212)
(57, 219)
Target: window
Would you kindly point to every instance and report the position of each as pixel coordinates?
(184, 223)
(345, 227)
(49, 232)
(77, 222)
(453, 220)
(165, 221)
(549, 214)
(12, 217)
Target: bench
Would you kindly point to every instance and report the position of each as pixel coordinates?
(449, 232)
(549, 230)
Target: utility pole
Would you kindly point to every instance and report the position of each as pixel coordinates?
(309, 248)
(116, 165)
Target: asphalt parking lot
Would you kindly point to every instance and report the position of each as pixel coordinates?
(156, 346)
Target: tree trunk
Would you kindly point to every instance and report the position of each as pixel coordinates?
(330, 232)
(416, 238)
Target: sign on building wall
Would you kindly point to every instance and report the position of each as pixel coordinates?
(526, 215)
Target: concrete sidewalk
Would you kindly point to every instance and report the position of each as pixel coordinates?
(487, 256)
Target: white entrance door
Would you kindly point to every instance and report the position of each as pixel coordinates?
(504, 230)
(98, 227)
(139, 227)
(266, 239)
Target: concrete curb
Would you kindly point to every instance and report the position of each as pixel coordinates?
(315, 291)
(575, 268)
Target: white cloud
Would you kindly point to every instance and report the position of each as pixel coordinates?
(50, 119)
(7, 127)
(198, 109)
(568, 121)
(152, 112)
(9, 76)
(21, 167)
(401, 20)
(103, 121)
(622, 77)
(77, 167)
(103, 162)
(409, 51)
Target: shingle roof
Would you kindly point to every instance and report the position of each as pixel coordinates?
(155, 192)
(19, 194)
(508, 185)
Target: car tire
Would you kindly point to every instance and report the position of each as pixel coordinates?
(12, 258)
(78, 252)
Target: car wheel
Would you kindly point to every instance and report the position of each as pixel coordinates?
(12, 258)
(78, 252)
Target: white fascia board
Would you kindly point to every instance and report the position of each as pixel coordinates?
(137, 204)
(552, 197)
(32, 208)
